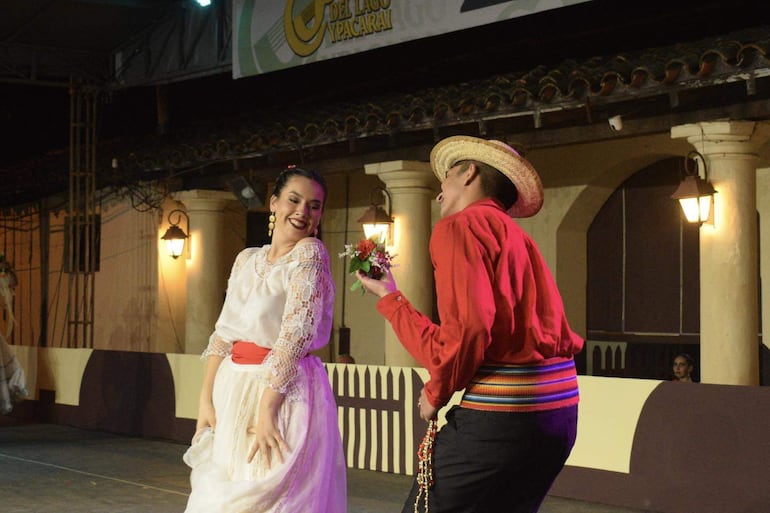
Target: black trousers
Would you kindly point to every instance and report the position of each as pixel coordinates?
(494, 462)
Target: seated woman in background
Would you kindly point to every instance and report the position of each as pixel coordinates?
(683, 368)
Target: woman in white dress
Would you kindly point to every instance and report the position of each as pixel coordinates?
(267, 438)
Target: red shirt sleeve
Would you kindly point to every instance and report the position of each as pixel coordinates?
(453, 351)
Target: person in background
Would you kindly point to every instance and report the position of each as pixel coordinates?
(13, 381)
(683, 368)
(267, 437)
(503, 337)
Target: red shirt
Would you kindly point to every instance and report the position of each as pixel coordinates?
(497, 302)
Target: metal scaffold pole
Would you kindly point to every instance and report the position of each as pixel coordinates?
(82, 227)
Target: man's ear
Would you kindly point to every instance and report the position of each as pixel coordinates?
(471, 173)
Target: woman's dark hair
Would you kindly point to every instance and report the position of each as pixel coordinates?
(687, 358)
(291, 171)
(495, 184)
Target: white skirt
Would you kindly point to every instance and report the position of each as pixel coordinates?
(312, 478)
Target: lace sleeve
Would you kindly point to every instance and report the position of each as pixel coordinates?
(217, 346)
(309, 285)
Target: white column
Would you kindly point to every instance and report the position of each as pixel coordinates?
(207, 268)
(729, 295)
(412, 187)
(763, 207)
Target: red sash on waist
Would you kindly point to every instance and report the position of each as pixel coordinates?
(248, 352)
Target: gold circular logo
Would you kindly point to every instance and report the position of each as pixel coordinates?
(305, 30)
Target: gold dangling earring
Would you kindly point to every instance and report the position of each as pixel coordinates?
(270, 224)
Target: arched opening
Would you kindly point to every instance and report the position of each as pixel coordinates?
(643, 284)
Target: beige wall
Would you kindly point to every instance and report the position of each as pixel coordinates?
(188, 370)
(609, 411)
(340, 226)
(125, 286)
(59, 370)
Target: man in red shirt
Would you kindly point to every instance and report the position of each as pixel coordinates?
(503, 337)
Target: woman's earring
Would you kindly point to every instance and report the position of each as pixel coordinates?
(270, 224)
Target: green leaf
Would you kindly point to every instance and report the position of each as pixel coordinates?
(356, 264)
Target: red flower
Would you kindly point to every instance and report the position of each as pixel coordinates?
(369, 257)
(365, 248)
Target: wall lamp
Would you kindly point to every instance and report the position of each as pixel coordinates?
(696, 194)
(175, 236)
(377, 222)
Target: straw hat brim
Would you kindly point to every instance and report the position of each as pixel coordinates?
(448, 152)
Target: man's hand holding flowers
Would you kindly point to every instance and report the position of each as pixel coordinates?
(370, 261)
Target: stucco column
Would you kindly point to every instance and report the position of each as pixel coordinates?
(412, 187)
(729, 271)
(763, 207)
(207, 270)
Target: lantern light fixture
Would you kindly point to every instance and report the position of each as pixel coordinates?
(376, 221)
(696, 194)
(175, 237)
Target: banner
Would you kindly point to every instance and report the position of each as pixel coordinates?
(270, 35)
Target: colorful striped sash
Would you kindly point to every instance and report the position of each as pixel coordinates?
(522, 388)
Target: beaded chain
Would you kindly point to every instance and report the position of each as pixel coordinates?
(425, 466)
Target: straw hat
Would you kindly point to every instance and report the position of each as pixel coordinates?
(500, 156)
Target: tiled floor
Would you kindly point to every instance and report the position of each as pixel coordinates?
(47, 468)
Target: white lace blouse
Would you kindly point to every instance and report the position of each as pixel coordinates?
(286, 306)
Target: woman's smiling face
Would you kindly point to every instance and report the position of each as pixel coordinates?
(298, 208)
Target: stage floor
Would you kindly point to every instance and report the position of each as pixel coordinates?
(49, 468)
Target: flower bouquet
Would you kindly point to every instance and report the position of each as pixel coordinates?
(369, 256)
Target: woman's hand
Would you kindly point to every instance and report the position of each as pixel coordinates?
(207, 418)
(268, 439)
(381, 287)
